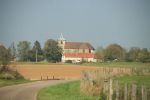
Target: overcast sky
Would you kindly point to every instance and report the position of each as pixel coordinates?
(99, 22)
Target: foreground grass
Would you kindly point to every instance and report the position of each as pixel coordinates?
(71, 91)
(66, 91)
(139, 80)
(12, 82)
(119, 64)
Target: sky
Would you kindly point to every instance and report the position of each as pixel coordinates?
(99, 22)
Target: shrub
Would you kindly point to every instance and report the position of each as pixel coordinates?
(146, 60)
(5, 71)
(69, 61)
(9, 74)
(103, 96)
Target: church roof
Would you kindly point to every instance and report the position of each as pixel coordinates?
(80, 55)
(78, 45)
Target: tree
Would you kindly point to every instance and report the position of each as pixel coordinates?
(99, 54)
(31, 55)
(12, 49)
(115, 51)
(144, 55)
(5, 57)
(53, 52)
(36, 54)
(133, 54)
(23, 50)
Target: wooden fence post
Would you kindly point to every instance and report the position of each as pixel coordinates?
(117, 90)
(125, 91)
(144, 92)
(110, 90)
(133, 94)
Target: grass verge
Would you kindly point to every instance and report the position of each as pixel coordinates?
(12, 82)
(66, 91)
(139, 80)
(71, 91)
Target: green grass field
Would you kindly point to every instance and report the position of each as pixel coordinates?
(66, 91)
(98, 64)
(71, 91)
(12, 82)
(119, 64)
(139, 80)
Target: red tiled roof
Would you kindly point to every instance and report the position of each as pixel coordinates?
(80, 55)
(78, 45)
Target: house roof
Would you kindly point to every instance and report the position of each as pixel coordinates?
(80, 55)
(78, 45)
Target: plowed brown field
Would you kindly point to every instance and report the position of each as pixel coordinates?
(50, 71)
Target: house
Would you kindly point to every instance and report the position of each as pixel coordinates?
(76, 51)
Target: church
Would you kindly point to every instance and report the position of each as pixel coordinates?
(76, 51)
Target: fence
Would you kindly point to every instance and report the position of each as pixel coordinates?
(100, 83)
(119, 91)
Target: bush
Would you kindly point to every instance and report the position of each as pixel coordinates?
(9, 74)
(145, 60)
(83, 61)
(103, 96)
(68, 61)
(5, 71)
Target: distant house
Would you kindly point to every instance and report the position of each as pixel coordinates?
(76, 51)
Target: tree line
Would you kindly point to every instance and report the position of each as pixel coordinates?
(51, 52)
(115, 52)
(23, 52)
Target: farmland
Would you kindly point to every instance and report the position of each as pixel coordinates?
(44, 71)
(50, 71)
(67, 71)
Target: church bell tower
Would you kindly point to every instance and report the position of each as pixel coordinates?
(61, 43)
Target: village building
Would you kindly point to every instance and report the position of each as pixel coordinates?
(76, 51)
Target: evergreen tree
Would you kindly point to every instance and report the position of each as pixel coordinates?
(36, 54)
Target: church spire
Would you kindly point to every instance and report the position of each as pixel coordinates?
(61, 37)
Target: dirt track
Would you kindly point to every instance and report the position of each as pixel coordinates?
(44, 71)
(26, 91)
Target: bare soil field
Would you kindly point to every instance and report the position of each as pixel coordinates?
(50, 71)
(64, 71)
